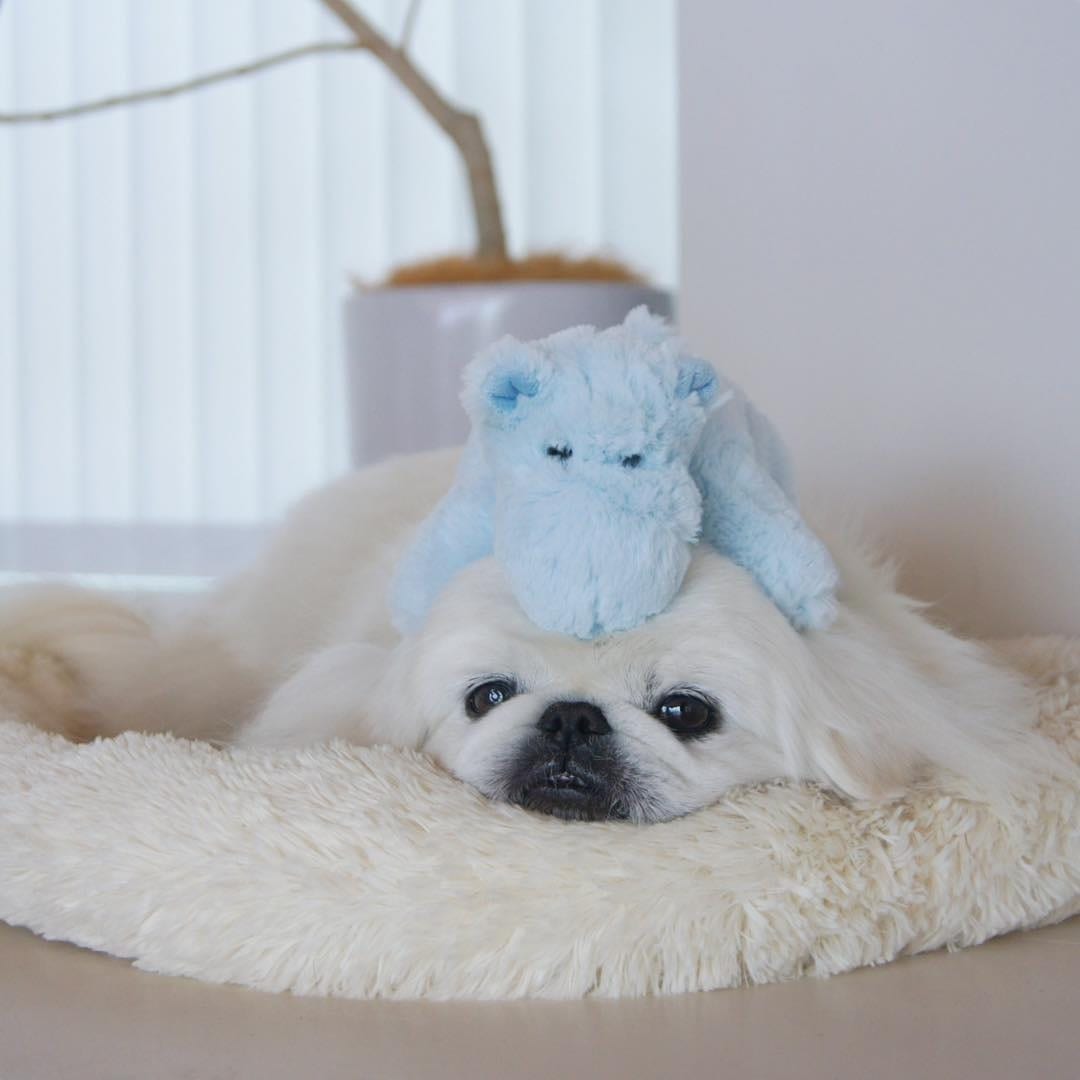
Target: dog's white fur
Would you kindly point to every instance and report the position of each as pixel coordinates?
(299, 648)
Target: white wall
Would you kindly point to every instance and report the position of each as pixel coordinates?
(881, 241)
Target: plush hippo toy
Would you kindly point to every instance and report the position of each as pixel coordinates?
(597, 459)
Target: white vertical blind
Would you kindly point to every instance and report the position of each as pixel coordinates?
(102, 253)
(166, 364)
(10, 428)
(49, 381)
(171, 274)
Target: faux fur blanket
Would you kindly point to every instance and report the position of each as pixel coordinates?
(369, 872)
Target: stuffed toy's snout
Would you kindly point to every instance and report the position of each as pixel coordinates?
(592, 551)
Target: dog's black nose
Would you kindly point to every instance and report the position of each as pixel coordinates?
(571, 720)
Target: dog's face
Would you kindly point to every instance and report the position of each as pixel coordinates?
(642, 726)
(717, 690)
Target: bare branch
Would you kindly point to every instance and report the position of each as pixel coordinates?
(409, 23)
(173, 89)
(463, 128)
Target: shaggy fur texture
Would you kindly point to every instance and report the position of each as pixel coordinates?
(596, 460)
(370, 872)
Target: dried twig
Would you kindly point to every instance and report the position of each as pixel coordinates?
(463, 128)
(409, 24)
(171, 90)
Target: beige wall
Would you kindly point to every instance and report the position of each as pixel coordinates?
(881, 241)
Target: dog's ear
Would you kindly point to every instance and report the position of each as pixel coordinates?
(696, 377)
(502, 380)
(884, 700)
(693, 376)
(853, 706)
(852, 764)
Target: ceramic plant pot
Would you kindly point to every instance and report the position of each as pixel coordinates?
(406, 347)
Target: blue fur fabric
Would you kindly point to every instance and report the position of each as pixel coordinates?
(596, 460)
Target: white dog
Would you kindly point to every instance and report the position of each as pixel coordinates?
(716, 691)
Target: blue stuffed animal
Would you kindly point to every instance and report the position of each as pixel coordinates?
(596, 460)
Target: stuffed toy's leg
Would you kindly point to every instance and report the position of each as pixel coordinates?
(459, 531)
(749, 514)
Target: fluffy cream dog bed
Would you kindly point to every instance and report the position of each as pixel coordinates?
(363, 873)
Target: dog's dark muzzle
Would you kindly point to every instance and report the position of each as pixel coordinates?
(569, 792)
(570, 768)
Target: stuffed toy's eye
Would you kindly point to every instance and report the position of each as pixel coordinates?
(632, 461)
(563, 453)
(487, 696)
(688, 715)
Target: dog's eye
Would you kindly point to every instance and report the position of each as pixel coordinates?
(485, 697)
(632, 461)
(688, 715)
(563, 453)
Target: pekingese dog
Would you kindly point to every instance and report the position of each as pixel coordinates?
(716, 691)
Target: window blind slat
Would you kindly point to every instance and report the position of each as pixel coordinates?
(10, 381)
(425, 174)
(226, 192)
(46, 241)
(562, 125)
(103, 249)
(164, 316)
(291, 331)
(355, 193)
(493, 82)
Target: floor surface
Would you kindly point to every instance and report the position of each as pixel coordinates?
(1004, 1011)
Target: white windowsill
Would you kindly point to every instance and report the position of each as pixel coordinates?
(155, 557)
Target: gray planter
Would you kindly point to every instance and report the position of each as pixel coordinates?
(406, 348)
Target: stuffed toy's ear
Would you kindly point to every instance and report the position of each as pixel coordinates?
(499, 381)
(696, 377)
(651, 327)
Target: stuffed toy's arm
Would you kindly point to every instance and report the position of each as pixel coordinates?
(457, 532)
(749, 514)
